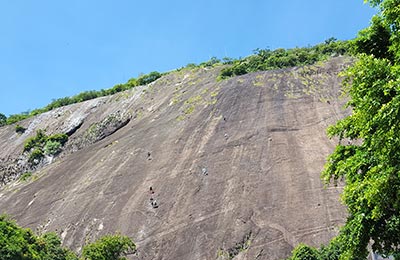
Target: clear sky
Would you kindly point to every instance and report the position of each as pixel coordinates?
(55, 48)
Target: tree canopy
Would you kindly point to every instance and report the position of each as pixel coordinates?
(368, 154)
(18, 243)
(3, 119)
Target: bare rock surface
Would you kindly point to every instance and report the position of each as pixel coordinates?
(234, 166)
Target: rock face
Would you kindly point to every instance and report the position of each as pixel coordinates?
(188, 166)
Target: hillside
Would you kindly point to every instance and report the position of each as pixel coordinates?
(234, 165)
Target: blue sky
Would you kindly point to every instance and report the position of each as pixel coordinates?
(51, 49)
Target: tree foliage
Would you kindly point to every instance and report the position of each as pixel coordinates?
(111, 247)
(3, 119)
(374, 39)
(52, 147)
(16, 118)
(370, 160)
(368, 154)
(21, 244)
(35, 141)
(18, 243)
(304, 252)
(146, 79)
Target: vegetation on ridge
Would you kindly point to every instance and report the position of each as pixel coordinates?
(83, 96)
(265, 59)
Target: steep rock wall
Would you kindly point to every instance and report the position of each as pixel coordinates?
(234, 165)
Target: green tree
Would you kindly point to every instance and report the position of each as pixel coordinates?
(21, 244)
(368, 154)
(49, 247)
(16, 118)
(304, 252)
(16, 243)
(3, 119)
(148, 78)
(111, 247)
(374, 39)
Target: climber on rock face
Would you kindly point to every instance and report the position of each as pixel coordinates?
(154, 204)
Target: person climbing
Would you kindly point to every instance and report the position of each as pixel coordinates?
(204, 171)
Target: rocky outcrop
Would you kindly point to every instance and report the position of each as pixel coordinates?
(99, 130)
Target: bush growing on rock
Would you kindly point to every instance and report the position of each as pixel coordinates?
(19, 129)
(60, 138)
(41, 144)
(36, 155)
(52, 147)
(37, 141)
(25, 176)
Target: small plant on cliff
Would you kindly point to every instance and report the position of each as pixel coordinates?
(60, 138)
(36, 141)
(19, 129)
(42, 144)
(36, 155)
(25, 176)
(52, 147)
